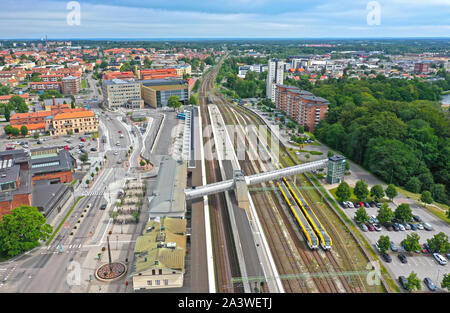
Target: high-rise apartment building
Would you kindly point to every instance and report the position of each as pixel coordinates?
(274, 77)
(301, 106)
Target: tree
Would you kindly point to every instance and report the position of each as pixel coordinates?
(18, 104)
(413, 282)
(347, 165)
(87, 181)
(8, 129)
(343, 191)
(385, 214)
(330, 153)
(15, 131)
(384, 243)
(174, 102)
(439, 243)
(411, 243)
(438, 193)
(361, 190)
(36, 135)
(142, 163)
(22, 229)
(301, 129)
(377, 192)
(391, 192)
(361, 216)
(84, 157)
(446, 282)
(403, 212)
(48, 94)
(193, 99)
(413, 185)
(426, 197)
(24, 130)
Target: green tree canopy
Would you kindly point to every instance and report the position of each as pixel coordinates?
(391, 191)
(22, 229)
(446, 282)
(361, 190)
(385, 214)
(377, 192)
(84, 157)
(438, 193)
(361, 216)
(426, 197)
(384, 243)
(15, 131)
(411, 243)
(413, 282)
(413, 185)
(174, 102)
(343, 191)
(403, 212)
(24, 130)
(439, 243)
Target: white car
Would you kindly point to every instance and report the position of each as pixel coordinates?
(401, 227)
(439, 258)
(116, 153)
(350, 204)
(420, 226)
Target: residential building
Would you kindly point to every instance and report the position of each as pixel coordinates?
(301, 106)
(75, 122)
(158, 73)
(5, 99)
(122, 93)
(421, 67)
(274, 77)
(118, 75)
(156, 92)
(42, 86)
(71, 85)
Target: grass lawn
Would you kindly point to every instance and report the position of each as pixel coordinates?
(83, 84)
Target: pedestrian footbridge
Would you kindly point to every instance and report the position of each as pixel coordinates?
(200, 191)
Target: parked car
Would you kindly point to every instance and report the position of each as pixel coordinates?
(407, 226)
(83, 139)
(402, 280)
(120, 131)
(389, 226)
(370, 227)
(425, 249)
(363, 227)
(373, 204)
(393, 247)
(378, 205)
(429, 283)
(350, 204)
(439, 258)
(401, 227)
(356, 205)
(116, 153)
(417, 218)
(427, 226)
(395, 226)
(344, 205)
(387, 257)
(402, 258)
(83, 150)
(377, 227)
(413, 226)
(103, 206)
(377, 246)
(66, 148)
(366, 204)
(419, 226)
(374, 218)
(93, 149)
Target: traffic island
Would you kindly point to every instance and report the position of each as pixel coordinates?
(111, 271)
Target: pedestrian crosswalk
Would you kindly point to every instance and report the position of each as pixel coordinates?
(94, 193)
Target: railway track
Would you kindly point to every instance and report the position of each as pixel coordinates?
(225, 260)
(313, 260)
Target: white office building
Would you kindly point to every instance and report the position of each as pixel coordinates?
(274, 77)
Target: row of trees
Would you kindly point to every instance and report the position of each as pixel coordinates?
(385, 214)
(393, 127)
(16, 104)
(361, 191)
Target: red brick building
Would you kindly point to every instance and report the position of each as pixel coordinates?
(421, 67)
(301, 106)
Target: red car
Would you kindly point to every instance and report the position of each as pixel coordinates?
(66, 148)
(370, 227)
(83, 139)
(120, 131)
(361, 205)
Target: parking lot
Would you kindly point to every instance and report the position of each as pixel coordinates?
(424, 265)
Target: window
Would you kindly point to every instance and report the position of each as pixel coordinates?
(166, 282)
(149, 282)
(160, 271)
(153, 272)
(157, 282)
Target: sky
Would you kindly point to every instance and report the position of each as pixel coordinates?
(34, 19)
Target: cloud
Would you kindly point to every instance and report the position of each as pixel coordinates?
(151, 19)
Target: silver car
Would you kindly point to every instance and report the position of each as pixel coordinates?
(363, 227)
(439, 258)
(407, 226)
(427, 226)
(401, 227)
(420, 226)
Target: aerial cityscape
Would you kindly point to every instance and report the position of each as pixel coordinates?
(174, 148)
